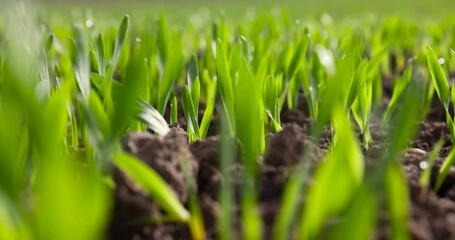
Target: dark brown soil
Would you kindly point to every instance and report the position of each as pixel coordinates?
(432, 215)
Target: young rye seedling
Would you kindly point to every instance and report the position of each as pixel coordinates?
(190, 103)
(442, 88)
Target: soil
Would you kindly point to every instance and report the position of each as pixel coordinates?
(432, 214)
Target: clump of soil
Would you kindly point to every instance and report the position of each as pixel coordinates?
(162, 154)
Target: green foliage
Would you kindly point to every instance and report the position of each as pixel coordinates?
(426, 174)
(400, 85)
(357, 83)
(174, 110)
(439, 77)
(442, 88)
(81, 63)
(364, 206)
(271, 92)
(397, 201)
(119, 42)
(225, 85)
(390, 173)
(226, 193)
(75, 185)
(190, 114)
(444, 170)
(249, 122)
(344, 161)
(153, 119)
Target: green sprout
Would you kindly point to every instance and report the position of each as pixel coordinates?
(155, 186)
(346, 162)
(225, 85)
(400, 85)
(442, 88)
(444, 170)
(426, 174)
(190, 103)
(273, 99)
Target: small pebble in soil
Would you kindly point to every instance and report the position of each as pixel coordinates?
(416, 151)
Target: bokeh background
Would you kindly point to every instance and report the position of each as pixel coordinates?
(297, 8)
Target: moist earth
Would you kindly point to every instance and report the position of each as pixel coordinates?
(432, 214)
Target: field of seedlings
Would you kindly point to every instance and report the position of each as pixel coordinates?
(259, 125)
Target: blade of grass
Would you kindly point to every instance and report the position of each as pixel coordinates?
(174, 109)
(399, 87)
(424, 179)
(196, 221)
(188, 110)
(357, 83)
(81, 63)
(226, 194)
(153, 119)
(249, 123)
(438, 76)
(397, 201)
(204, 128)
(101, 53)
(345, 164)
(444, 170)
(151, 182)
(225, 85)
(120, 40)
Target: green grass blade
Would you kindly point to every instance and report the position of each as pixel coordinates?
(424, 179)
(193, 82)
(48, 43)
(153, 184)
(291, 196)
(188, 110)
(299, 54)
(405, 120)
(81, 193)
(357, 83)
(101, 53)
(270, 99)
(195, 92)
(365, 207)
(163, 38)
(444, 170)
(196, 221)
(193, 71)
(206, 119)
(174, 110)
(452, 95)
(450, 125)
(225, 85)
(439, 77)
(153, 119)
(249, 123)
(397, 201)
(334, 92)
(226, 194)
(100, 114)
(399, 87)
(120, 40)
(128, 96)
(82, 63)
(345, 164)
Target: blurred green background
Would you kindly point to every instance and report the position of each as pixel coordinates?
(297, 8)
